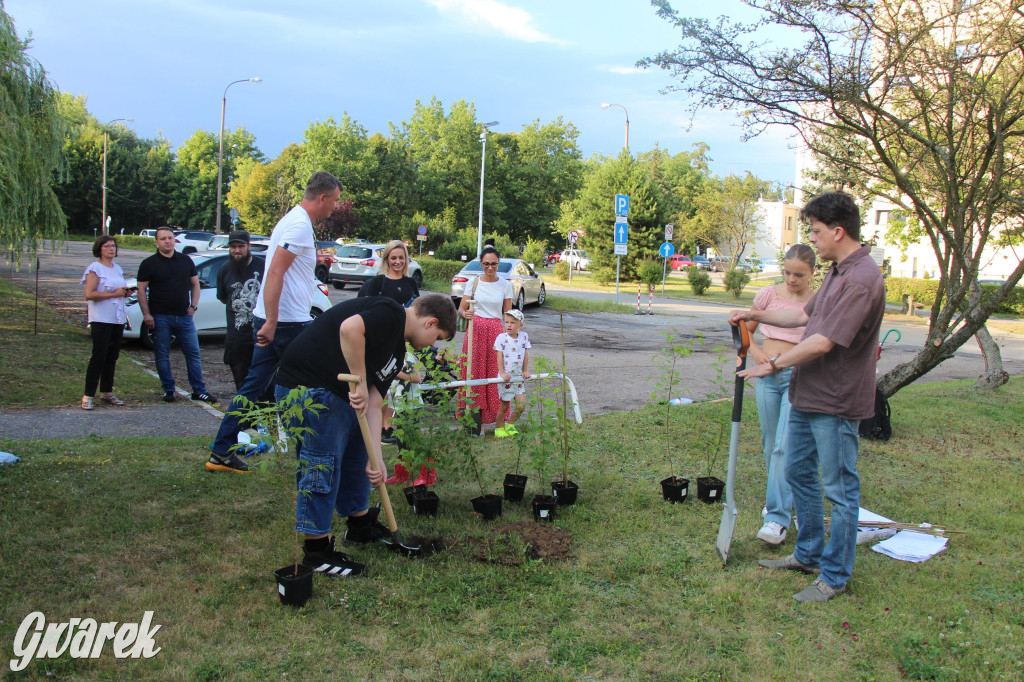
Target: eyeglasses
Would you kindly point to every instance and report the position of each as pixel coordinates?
(490, 265)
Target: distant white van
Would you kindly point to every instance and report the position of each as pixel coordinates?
(148, 233)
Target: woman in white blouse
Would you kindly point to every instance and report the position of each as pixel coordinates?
(105, 293)
(493, 297)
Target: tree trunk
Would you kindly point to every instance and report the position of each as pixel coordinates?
(994, 376)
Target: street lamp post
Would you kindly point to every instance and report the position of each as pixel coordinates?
(103, 215)
(483, 160)
(220, 153)
(606, 105)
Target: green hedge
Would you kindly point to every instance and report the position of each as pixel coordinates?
(134, 241)
(439, 271)
(924, 290)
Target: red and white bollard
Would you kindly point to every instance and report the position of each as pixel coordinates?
(650, 301)
(638, 290)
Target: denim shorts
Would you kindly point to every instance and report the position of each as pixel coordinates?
(331, 462)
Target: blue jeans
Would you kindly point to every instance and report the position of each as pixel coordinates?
(261, 372)
(772, 394)
(182, 327)
(829, 442)
(330, 473)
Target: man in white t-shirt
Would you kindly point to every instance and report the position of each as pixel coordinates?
(282, 309)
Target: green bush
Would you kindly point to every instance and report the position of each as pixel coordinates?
(699, 280)
(924, 291)
(562, 270)
(534, 253)
(649, 273)
(735, 280)
(439, 271)
(604, 276)
(134, 241)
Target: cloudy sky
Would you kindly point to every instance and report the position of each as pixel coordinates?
(165, 63)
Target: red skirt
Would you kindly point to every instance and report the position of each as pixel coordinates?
(485, 366)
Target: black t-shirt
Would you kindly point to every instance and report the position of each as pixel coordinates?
(314, 358)
(238, 290)
(402, 290)
(170, 283)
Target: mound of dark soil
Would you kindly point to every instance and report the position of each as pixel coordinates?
(515, 543)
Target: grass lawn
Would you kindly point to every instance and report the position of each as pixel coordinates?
(111, 527)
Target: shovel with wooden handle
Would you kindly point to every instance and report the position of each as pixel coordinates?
(371, 451)
(477, 424)
(741, 340)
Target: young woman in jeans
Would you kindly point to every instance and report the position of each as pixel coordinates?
(772, 391)
(105, 294)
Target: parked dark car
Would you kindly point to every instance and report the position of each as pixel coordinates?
(702, 262)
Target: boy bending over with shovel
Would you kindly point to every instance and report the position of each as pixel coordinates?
(364, 337)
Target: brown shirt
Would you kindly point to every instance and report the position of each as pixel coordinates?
(846, 310)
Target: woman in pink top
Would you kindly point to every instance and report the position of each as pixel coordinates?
(772, 391)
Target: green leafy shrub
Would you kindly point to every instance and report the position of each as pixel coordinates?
(649, 273)
(133, 241)
(924, 291)
(534, 253)
(604, 276)
(562, 270)
(735, 280)
(699, 280)
(439, 271)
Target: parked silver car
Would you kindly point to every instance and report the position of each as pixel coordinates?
(209, 318)
(355, 263)
(527, 285)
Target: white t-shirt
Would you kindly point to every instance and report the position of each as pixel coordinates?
(109, 310)
(490, 297)
(513, 351)
(293, 232)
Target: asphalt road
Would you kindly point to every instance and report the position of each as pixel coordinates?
(609, 356)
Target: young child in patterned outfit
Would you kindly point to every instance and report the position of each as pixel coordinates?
(513, 349)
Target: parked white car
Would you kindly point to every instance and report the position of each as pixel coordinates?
(257, 242)
(151, 233)
(209, 318)
(355, 263)
(576, 259)
(191, 241)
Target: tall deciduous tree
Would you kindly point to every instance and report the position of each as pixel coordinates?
(194, 193)
(31, 147)
(919, 102)
(727, 215)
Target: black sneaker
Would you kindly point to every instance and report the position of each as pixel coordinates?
(366, 528)
(204, 396)
(231, 463)
(388, 436)
(331, 563)
(169, 397)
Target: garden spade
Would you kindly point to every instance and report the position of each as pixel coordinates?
(371, 450)
(740, 339)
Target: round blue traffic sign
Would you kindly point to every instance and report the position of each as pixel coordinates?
(666, 250)
(422, 229)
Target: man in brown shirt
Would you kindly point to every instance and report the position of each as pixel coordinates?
(832, 389)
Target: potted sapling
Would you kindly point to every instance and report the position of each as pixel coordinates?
(564, 491)
(487, 505)
(541, 436)
(674, 488)
(514, 484)
(710, 487)
(294, 581)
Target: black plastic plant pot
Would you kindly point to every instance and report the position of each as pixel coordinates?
(477, 427)
(709, 489)
(294, 590)
(488, 506)
(515, 486)
(564, 492)
(411, 491)
(544, 507)
(424, 503)
(675, 489)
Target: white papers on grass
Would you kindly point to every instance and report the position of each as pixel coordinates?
(869, 533)
(908, 545)
(8, 458)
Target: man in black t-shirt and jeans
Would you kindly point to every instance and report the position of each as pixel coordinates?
(238, 285)
(168, 291)
(366, 337)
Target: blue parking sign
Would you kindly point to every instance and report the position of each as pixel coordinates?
(621, 204)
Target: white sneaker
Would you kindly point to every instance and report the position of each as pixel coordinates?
(772, 533)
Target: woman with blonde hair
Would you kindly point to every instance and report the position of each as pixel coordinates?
(393, 280)
(772, 391)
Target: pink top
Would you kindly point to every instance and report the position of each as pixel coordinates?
(768, 299)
